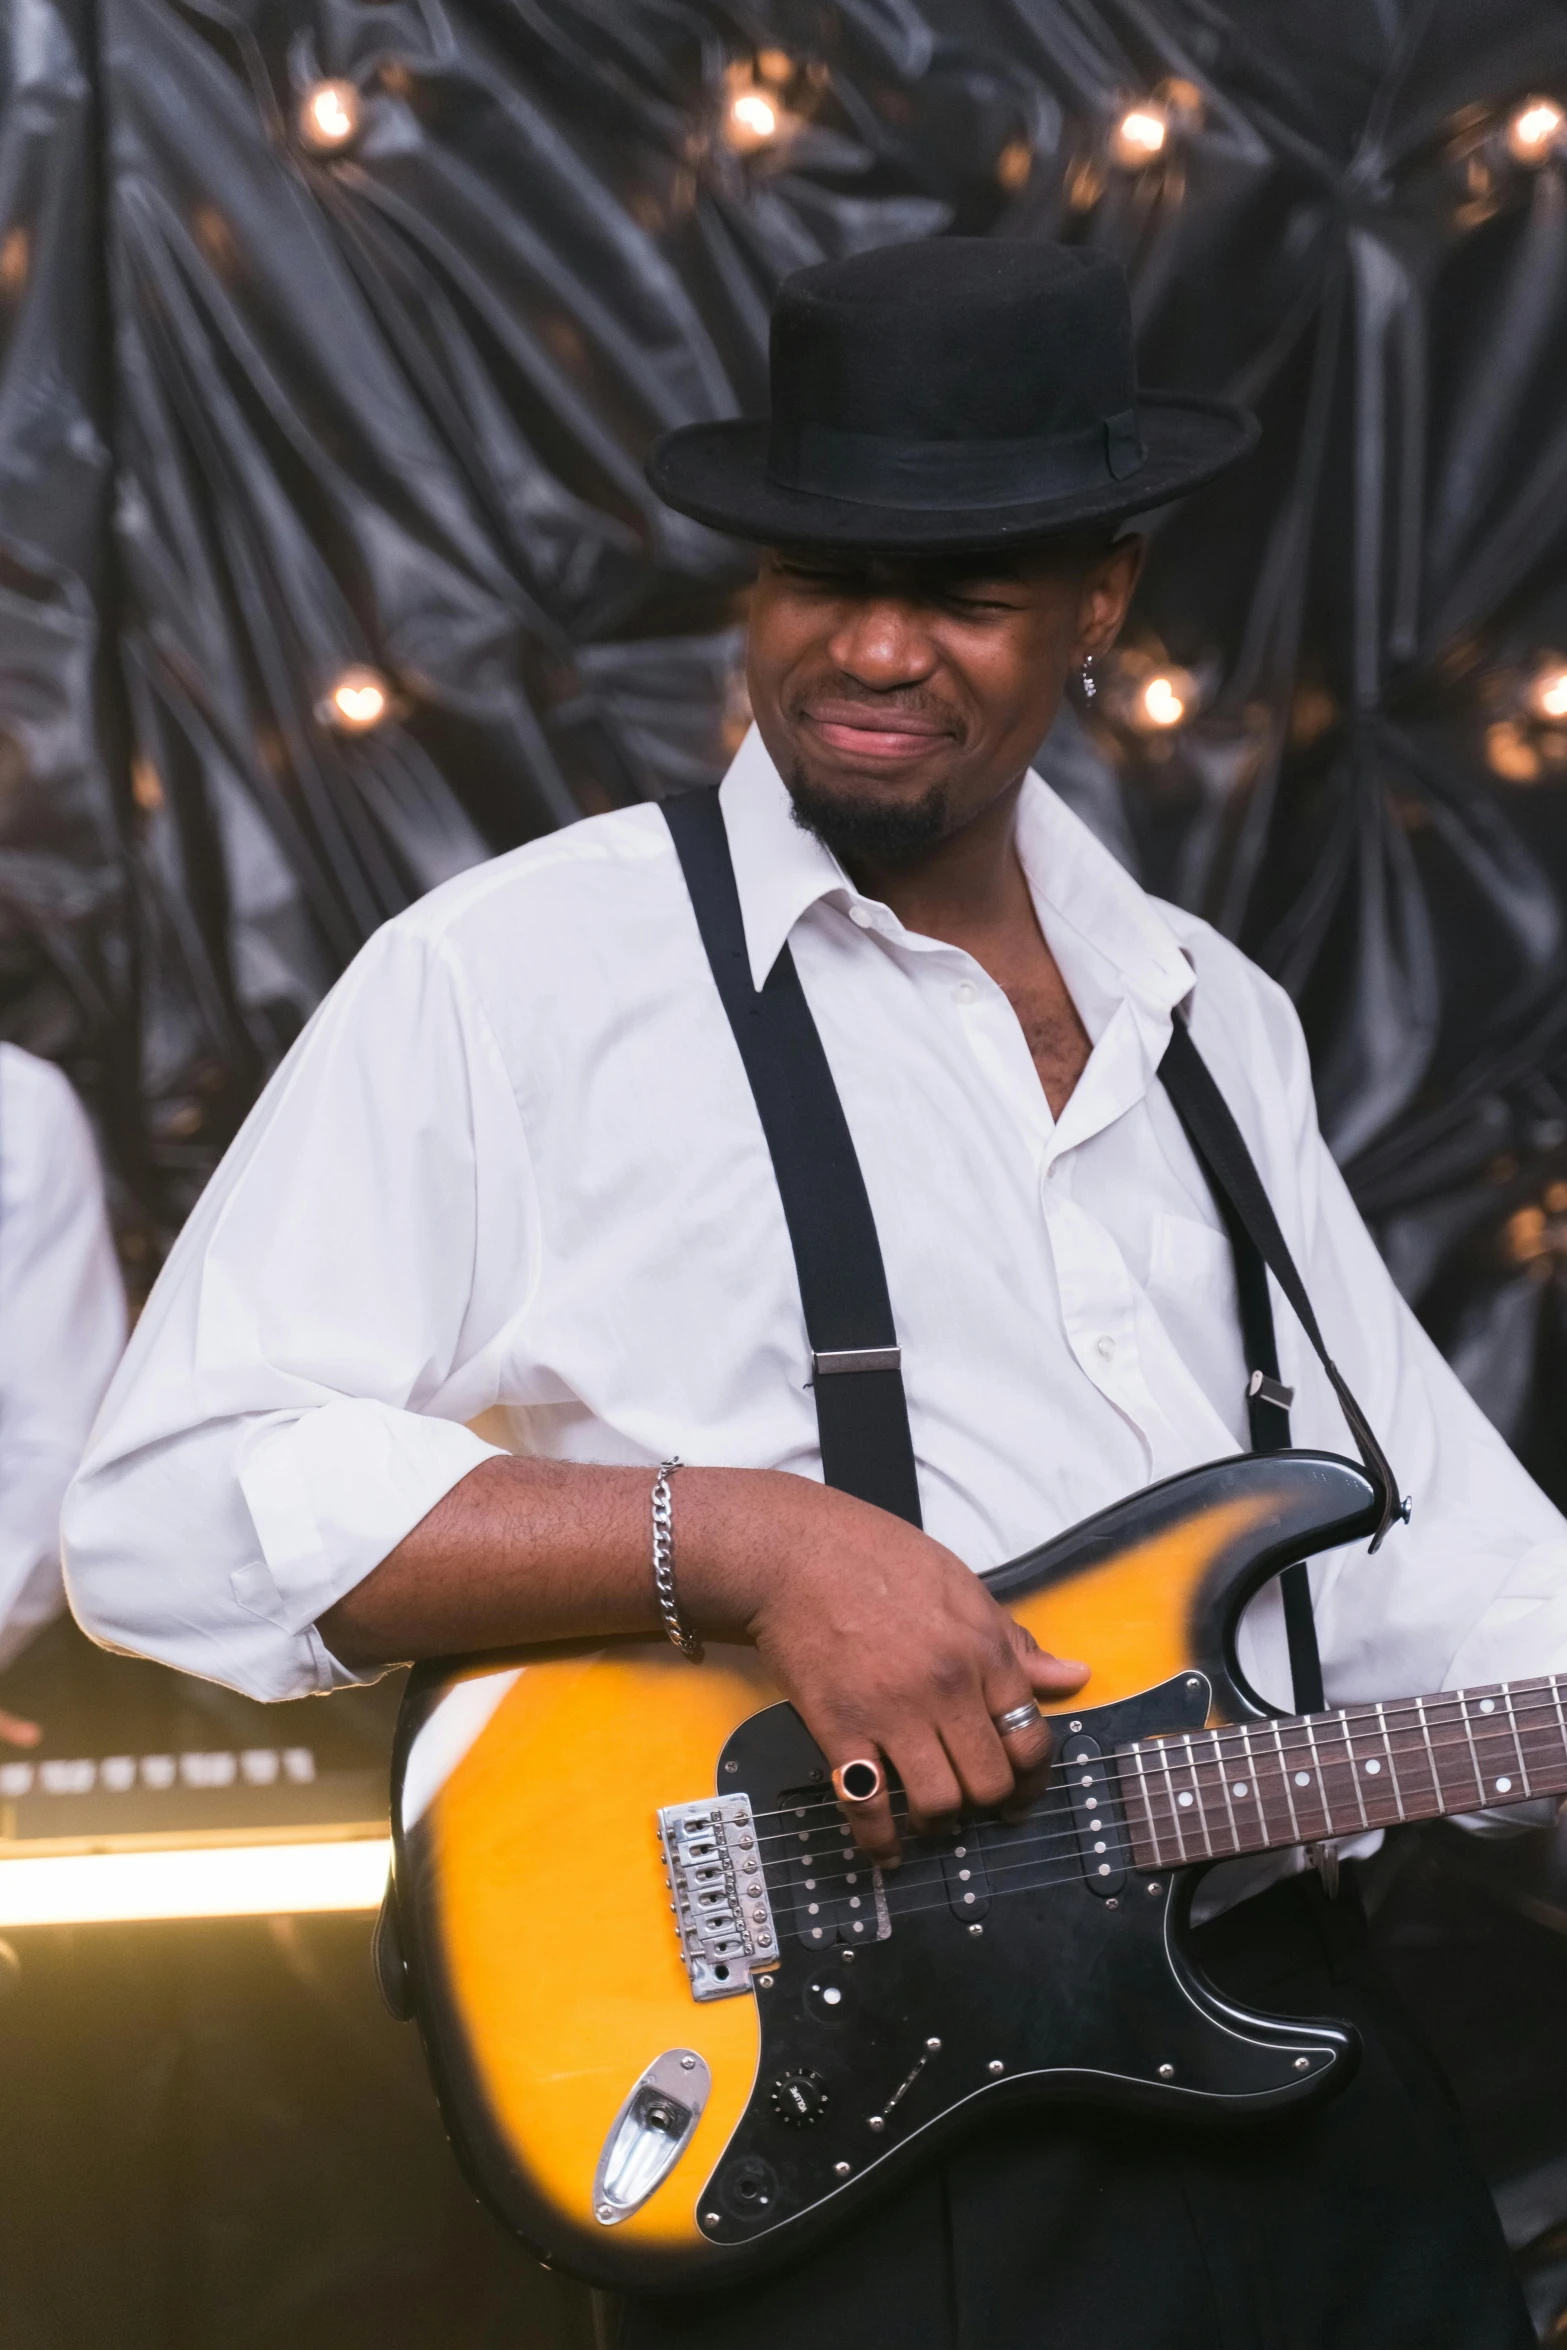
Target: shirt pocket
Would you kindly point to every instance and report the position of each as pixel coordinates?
(1191, 1287)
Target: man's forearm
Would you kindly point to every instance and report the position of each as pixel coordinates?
(527, 1550)
(883, 1639)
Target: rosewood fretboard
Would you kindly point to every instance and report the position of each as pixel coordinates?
(1293, 1781)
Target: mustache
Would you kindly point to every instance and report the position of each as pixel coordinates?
(841, 695)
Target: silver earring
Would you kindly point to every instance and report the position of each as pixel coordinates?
(1089, 687)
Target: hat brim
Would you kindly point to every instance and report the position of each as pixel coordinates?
(717, 474)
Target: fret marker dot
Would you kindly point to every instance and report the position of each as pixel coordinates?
(1240, 1786)
(1373, 1768)
(1488, 1705)
(1183, 1799)
(1504, 1786)
(1303, 1778)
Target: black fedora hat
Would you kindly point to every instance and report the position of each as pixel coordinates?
(951, 393)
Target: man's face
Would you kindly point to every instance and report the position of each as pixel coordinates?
(899, 697)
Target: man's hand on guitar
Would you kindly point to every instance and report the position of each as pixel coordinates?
(885, 1641)
(892, 1649)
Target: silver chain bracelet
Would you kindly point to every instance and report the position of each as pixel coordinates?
(675, 1624)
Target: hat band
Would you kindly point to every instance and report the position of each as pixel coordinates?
(871, 469)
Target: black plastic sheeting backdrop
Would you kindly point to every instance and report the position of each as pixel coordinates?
(267, 414)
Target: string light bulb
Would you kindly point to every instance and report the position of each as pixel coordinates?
(358, 701)
(1535, 131)
(1548, 689)
(751, 121)
(329, 116)
(1139, 136)
(1161, 701)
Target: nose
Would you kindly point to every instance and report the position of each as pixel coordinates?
(882, 642)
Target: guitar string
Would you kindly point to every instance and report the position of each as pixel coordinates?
(1265, 1781)
(1270, 1749)
(1052, 1877)
(1059, 1806)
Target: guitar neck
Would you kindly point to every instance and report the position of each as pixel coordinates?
(1262, 1785)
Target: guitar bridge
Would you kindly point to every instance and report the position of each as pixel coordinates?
(723, 1913)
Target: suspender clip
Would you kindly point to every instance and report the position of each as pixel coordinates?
(858, 1358)
(1269, 1390)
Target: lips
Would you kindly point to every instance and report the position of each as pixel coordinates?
(855, 731)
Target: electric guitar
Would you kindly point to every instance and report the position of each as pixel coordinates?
(679, 2030)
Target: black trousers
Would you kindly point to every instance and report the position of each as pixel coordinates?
(1364, 2225)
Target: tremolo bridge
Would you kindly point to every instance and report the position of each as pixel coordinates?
(718, 1892)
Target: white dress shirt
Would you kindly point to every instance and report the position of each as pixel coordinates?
(62, 1325)
(513, 1170)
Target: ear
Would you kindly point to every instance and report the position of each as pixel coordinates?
(1106, 592)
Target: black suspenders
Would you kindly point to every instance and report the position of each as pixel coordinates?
(860, 1408)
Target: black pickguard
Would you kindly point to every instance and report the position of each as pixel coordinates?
(1062, 1992)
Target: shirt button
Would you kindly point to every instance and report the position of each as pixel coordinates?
(861, 917)
(1106, 1347)
(964, 992)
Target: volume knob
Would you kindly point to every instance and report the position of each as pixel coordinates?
(799, 2099)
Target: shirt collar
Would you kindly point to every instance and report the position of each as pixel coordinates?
(1109, 938)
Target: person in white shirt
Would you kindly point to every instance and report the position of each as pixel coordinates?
(513, 1170)
(62, 1327)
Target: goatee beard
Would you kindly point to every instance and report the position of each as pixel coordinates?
(868, 831)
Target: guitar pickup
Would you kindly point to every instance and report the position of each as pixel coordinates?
(723, 1912)
(1101, 1838)
(968, 1885)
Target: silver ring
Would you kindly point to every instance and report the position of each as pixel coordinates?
(1017, 1717)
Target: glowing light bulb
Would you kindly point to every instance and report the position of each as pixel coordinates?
(1139, 136)
(753, 120)
(359, 700)
(1534, 130)
(329, 117)
(1548, 689)
(1162, 705)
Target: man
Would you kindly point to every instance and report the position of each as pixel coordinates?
(514, 1166)
(62, 1325)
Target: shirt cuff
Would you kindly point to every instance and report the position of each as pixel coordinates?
(331, 1491)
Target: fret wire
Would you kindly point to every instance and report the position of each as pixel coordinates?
(1561, 1721)
(1284, 1773)
(1392, 1766)
(1144, 1791)
(1224, 1790)
(1197, 1795)
(1169, 1792)
(1319, 1769)
(1354, 1772)
(1425, 1732)
(1512, 1723)
(1474, 1753)
(1252, 1780)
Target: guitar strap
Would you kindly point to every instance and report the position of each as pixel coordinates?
(861, 1412)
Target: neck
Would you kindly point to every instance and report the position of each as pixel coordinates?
(1263, 1785)
(962, 887)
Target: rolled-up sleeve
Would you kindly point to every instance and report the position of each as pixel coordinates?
(294, 1399)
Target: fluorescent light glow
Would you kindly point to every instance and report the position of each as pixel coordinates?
(215, 1881)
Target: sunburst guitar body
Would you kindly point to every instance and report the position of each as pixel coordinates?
(678, 2034)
